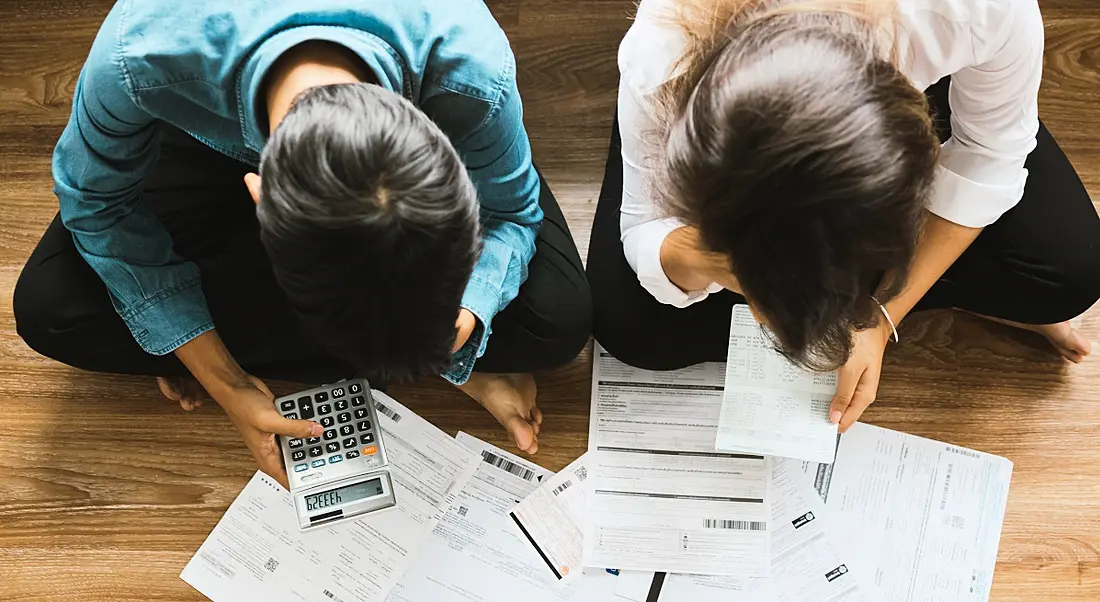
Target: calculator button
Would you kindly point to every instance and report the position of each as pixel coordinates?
(349, 443)
(351, 455)
(318, 463)
(299, 454)
(327, 421)
(315, 452)
(291, 415)
(370, 449)
(305, 401)
(360, 413)
(294, 443)
(363, 426)
(306, 412)
(346, 430)
(287, 405)
(336, 459)
(355, 388)
(366, 438)
(330, 434)
(358, 400)
(332, 447)
(341, 405)
(345, 417)
(313, 440)
(322, 396)
(324, 408)
(338, 392)
(301, 467)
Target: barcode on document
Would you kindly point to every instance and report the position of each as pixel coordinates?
(388, 412)
(271, 565)
(739, 525)
(964, 452)
(333, 596)
(560, 488)
(507, 465)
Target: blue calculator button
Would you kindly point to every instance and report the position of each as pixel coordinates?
(318, 463)
(301, 467)
(335, 459)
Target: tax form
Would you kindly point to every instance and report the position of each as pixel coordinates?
(257, 552)
(770, 406)
(925, 516)
(663, 499)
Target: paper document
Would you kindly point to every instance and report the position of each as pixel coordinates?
(552, 518)
(924, 517)
(257, 552)
(770, 406)
(663, 499)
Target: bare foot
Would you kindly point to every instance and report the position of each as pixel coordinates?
(1070, 343)
(510, 398)
(183, 389)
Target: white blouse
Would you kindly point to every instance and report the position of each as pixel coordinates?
(993, 50)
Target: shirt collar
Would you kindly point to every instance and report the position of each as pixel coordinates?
(379, 56)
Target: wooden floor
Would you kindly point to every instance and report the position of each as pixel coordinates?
(106, 489)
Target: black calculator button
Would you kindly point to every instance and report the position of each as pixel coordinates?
(313, 440)
(305, 401)
(360, 413)
(324, 409)
(327, 421)
(345, 417)
(315, 452)
(330, 434)
(355, 388)
(363, 426)
(291, 415)
(307, 413)
(349, 443)
(332, 447)
(358, 400)
(298, 454)
(287, 406)
(351, 454)
(322, 396)
(294, 443)
(366, 438)
(346, 430)
(338, 392)
(341, 405)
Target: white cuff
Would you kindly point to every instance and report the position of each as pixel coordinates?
(642, 247)
(969, 203)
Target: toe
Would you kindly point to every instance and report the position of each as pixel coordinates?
(169, 389)
(523, 434)
(536, 414)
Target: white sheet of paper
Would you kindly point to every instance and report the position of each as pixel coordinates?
(663, 499)
(634, 585)
(770, 406)
(553, 516)
(925, 516)
(257, 552)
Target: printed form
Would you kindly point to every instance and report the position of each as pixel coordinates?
(924, 517)
(663, 499)
(257, 552)
(552, 518)
(770, 406)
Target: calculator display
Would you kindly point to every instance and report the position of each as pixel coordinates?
(343, 495)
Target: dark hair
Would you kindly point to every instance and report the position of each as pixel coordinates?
(371, 224)
(805, 158)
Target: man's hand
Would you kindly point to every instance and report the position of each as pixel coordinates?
(464, 325)
(857, 380)
(250, 405)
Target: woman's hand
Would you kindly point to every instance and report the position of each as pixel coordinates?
(857, 380)
(690, 266)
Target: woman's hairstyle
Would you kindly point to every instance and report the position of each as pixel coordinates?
(794, 144)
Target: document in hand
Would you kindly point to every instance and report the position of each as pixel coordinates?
(770, 406)
(256, 551)
(663, 499)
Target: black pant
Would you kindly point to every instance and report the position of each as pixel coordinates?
(63, 311)
(1038, 264)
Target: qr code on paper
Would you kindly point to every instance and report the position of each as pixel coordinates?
(271, 565)
(582, 473)
(462, 510)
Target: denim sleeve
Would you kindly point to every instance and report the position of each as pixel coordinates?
(99, 165)
(498, 159)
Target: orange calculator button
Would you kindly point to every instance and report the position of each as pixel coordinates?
(370, 449)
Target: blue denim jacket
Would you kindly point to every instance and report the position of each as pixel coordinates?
(199, 65)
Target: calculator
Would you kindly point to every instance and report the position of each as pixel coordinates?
(344, 473)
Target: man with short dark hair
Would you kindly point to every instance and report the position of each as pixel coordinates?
(400, 227)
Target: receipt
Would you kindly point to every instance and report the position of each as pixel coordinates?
(663, 499)
(257, 552)
(771, 406)
(552, 519)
